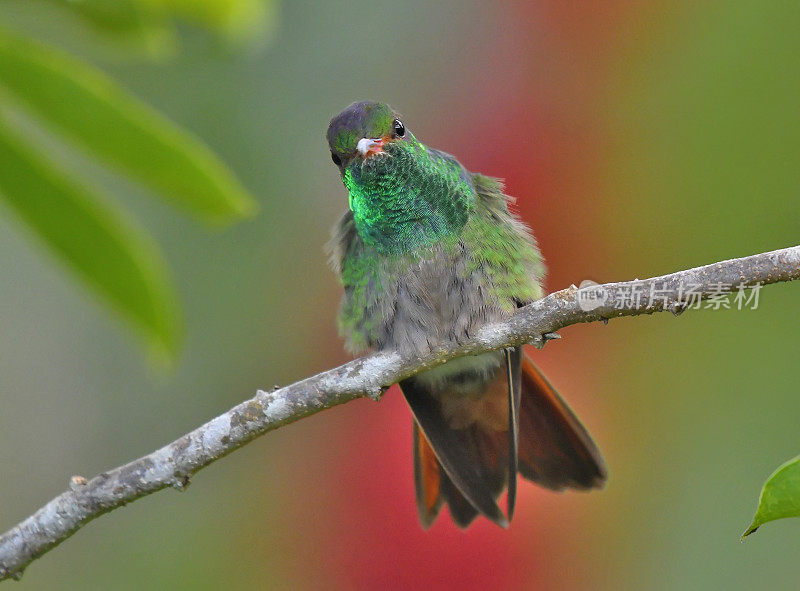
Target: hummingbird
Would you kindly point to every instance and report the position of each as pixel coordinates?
(427, 253)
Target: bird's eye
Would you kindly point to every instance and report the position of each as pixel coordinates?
(336, 160)
(399, 128)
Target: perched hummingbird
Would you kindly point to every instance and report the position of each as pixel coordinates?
(427, 253)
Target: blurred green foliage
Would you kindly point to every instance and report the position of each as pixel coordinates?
(780, 497)
(71, 98)
(110, 254)
(150, 23)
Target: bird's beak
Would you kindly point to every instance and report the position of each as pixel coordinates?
(369, 147)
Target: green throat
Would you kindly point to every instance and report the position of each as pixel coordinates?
(409, 197)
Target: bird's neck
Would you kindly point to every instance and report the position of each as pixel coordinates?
(409, 197)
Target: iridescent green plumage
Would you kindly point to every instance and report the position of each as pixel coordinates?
(408, 197)
(428, 253)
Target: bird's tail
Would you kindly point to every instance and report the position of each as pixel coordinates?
(468, 468)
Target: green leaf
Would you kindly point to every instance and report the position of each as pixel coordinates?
(127, 24)
(780, 496)
(84, 104)
(150, 20)
(240, 20)
(113, 257)
(119, 17)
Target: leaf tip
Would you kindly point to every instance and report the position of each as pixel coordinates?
(163, 354)
(750, 530)
(246, 206)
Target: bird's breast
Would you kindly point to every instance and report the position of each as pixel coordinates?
(435, 300)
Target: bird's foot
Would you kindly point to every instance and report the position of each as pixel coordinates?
(540, 341)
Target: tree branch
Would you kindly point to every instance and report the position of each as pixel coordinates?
(174, 464)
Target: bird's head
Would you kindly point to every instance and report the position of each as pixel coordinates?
(401, 193)
(362, 132)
